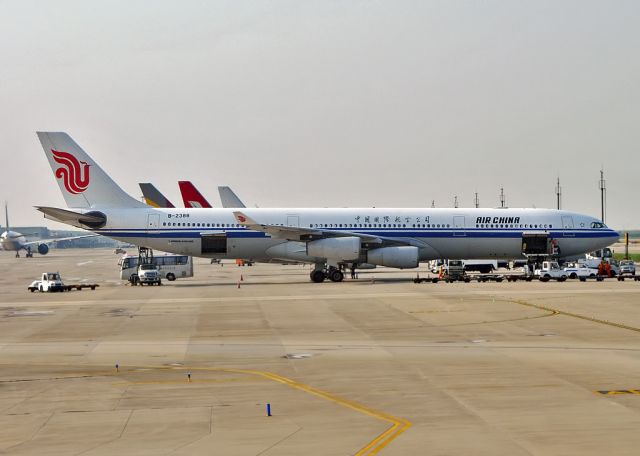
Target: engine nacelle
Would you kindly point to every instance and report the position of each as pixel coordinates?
(43, 249)
(340, 248)
(394, 257)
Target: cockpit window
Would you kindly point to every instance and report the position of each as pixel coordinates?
(598, 225)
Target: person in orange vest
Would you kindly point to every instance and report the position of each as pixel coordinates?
(602, 268)
(607, 268)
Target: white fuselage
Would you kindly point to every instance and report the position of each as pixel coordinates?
(13, 241)
(439, 233)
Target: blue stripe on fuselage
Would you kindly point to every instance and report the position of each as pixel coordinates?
(398, 233)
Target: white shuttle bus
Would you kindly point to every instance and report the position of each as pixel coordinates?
(171, 266)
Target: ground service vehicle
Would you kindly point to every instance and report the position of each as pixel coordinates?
(627, 270)
(482, 266)
(627, 267)
(550, 270)
(171, 267)
(577, 271)
(51, 281)
(148, 273)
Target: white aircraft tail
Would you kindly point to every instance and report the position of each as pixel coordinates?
(82, 181)
(6, 218)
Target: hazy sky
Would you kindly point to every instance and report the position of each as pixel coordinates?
(329, 103)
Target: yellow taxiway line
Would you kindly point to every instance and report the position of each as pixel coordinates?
(574, 315)
(399, 425)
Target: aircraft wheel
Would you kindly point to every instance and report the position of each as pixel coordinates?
(336, 275)
(317, 276)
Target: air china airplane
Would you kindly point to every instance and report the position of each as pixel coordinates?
(328, 238)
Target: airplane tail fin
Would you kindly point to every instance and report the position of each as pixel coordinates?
(83, 183)
(6, 218)
(191, 196)
(153, 197)
(229, 198)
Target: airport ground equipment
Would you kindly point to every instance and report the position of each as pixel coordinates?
(52, 282)
(578, 271)
(481, 266)
(147, 272)
(171, 266)
(627, 267)
(628, 271)
(550, 270)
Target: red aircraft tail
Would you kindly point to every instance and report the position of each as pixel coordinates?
(191, 196)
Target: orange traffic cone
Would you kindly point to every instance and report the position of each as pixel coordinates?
(241, 278)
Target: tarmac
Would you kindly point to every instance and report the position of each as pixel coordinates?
(377, 365)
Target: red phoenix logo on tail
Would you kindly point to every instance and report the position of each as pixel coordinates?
(74, 178)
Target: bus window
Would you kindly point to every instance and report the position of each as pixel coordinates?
(169, 261)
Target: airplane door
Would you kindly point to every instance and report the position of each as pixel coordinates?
(153, 221)
(458, 225)
(293, 220)
(567, 224)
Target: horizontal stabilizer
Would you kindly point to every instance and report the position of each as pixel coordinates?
(89, 220)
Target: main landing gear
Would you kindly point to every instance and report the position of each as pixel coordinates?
(319, 274)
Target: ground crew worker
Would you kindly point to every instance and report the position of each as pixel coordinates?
(602, 268)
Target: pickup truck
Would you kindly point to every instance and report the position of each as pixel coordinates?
(550, 270)
(627, 267)
(52, 282)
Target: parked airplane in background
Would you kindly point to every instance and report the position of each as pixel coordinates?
(191, 196)
(14, 241)
(153, 197)
(229, 198)
(328, 238)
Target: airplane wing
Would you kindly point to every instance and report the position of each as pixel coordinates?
(52, 240)
(294, 233)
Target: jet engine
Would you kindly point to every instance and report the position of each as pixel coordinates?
(339, 248)
(394, 257)
(43, 249)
